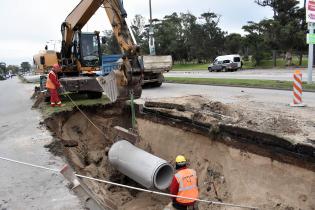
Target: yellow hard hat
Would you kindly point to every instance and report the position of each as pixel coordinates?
(180, 159)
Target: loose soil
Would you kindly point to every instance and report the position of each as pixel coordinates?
(239, 157)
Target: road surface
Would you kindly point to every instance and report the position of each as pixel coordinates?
(228, 94)
(261, 74)
(21, 138)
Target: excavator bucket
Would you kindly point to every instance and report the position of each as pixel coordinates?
(115, 86)
(109, 86)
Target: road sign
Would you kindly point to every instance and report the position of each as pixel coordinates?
(310, 11)
(310, 38)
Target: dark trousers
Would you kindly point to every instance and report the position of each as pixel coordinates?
(183, 207)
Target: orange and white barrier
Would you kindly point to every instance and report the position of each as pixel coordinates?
(297, 89)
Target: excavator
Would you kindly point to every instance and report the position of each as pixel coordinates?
(80, 55)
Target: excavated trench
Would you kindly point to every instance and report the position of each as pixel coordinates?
(234, 165)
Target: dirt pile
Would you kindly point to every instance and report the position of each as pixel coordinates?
(227, 174)
(204, 110)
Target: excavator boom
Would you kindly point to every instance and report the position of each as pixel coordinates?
(81, 52)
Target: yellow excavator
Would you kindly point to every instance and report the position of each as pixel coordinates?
(80, 55)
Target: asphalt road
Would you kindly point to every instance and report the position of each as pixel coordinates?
(261, 74)
(228, 94)
(21, 138)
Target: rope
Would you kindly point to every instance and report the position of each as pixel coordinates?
(28, 164)
(166, 194)
(130, 187)
(72, 101)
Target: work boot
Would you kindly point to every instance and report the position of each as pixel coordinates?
(59, 104)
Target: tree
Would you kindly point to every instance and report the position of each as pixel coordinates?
(254, 40)
(25, 66)
(3, 68)
(182, 36)
(141, 33)
(13, 68)
(169, 37)
(286, 31)
(233, 43)
(213, 44)
(111, 46)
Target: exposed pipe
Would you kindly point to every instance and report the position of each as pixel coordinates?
(143, 167)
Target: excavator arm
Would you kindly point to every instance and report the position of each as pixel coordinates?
(121, 82)
(75, 21)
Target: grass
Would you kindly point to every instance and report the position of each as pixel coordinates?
(264, 64)
(270, 84)
(79, 99)
(185, 67)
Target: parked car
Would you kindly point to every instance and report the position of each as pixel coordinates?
(226, 63)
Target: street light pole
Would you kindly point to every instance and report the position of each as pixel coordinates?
(151, 33)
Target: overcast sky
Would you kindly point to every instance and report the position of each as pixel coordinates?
(26, 25)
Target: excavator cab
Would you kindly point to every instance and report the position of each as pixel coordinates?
(89, 53)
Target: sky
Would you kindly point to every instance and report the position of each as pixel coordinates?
(28, 25)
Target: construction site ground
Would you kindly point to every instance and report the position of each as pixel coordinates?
(248, 146)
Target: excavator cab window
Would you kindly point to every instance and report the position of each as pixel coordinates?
(90, 50)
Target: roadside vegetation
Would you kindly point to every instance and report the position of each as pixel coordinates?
(274, 42)
(268, 84)
(264, 64)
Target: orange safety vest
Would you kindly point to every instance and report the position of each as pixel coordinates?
(49, 83)
(187, 180)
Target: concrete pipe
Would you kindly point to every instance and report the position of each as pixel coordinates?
(143, 167)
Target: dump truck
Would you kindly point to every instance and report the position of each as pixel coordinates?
(154, 67)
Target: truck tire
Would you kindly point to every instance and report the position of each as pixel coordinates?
(156, 84)
(94, 95)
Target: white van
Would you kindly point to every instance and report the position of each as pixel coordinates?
(226, 63)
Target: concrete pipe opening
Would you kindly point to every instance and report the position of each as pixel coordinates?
(163, 176)
(146, 169)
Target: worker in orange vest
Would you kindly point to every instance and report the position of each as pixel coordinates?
(185, 184)
(52, 84)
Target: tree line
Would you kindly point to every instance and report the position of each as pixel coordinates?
(15, 69)
(200, 39)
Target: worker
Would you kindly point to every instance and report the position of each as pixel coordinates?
(184, 184)
(53, 84)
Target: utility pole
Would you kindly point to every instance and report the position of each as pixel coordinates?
(151, 33)
(310, 39)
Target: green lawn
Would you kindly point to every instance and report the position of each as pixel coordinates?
(270, 84)
(185, 67)
(79, 99)
(265, 64)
